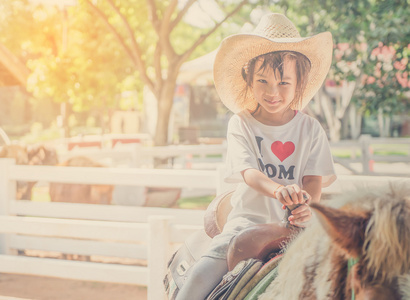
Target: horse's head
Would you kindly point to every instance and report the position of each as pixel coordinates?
(372, 229)
(18, 152)
(42, 155)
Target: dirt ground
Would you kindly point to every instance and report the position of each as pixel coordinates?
(47, 288)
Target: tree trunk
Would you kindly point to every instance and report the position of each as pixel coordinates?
(332, 121)
(333, 103)
(384, 124)
(334, 130)
(355, 120)
(165, 102)
(65, 111)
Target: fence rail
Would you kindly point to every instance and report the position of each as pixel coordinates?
(361, 151)
(95, 230)
(366, 146)
(139, 233)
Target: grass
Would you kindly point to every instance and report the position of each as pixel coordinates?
(392, 149)
(195, 202)
(344, 153)
(384, 150)
(390, 153)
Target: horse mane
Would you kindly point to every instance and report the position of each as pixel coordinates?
(315, 263)
(404, 286)
(386, 250)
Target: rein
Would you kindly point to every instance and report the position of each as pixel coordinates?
(350, 263)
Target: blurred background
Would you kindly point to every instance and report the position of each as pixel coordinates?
(128, 85)
(72, 68)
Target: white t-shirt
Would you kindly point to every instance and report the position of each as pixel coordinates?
(284, 153)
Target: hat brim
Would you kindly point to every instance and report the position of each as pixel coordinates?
(235, 51)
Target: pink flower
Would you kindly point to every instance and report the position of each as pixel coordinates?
(388, 51)
(376, 51)
(343, 46)
(371, 80)
(402, 79)
(330, 82)
(399, 66)
(383, 52)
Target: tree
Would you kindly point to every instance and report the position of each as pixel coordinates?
(127, 45)
(384, 89)
(87, 73)
(150, 34)
(357, 28)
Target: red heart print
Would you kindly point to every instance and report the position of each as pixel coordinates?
(282, 150)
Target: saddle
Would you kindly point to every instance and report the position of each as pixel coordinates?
(216, 214)
(261, 241)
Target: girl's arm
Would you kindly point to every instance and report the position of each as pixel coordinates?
(313, 185)
(260, 182)
(263, 184)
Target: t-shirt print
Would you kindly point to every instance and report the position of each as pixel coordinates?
(281, 151)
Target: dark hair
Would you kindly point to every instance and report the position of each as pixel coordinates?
(275, 61)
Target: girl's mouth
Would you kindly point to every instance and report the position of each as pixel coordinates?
(272, 102)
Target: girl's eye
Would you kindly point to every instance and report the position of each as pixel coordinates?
(284, 83)
(262, 81)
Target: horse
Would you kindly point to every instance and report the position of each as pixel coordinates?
(81, 193)
(42, 155)
(33, 155)
(358, 247)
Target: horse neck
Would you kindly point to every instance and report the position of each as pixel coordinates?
(305, 268)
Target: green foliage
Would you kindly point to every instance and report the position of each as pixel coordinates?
(40, 134)
(386, 83)
(89, 72)
(75, 57)
(358, 27)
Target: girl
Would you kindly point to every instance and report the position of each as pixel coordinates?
(276, 153)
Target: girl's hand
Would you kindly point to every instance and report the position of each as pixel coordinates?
(300, 215)
(291, 195)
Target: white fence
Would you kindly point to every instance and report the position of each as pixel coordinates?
(366, 146)
(139, 233)
(102, 230)
(137, 155)
(361, 152)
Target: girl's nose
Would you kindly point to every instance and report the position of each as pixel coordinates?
(272, 90)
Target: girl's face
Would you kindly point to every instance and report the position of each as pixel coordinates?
(274, 93)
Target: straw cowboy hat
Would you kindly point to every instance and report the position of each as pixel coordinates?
(274, 32)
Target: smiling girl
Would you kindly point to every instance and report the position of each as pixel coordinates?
(277, 155)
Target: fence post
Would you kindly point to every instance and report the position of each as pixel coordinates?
(159, 246)
(7, 192)
(136, 156)
(367, 162)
